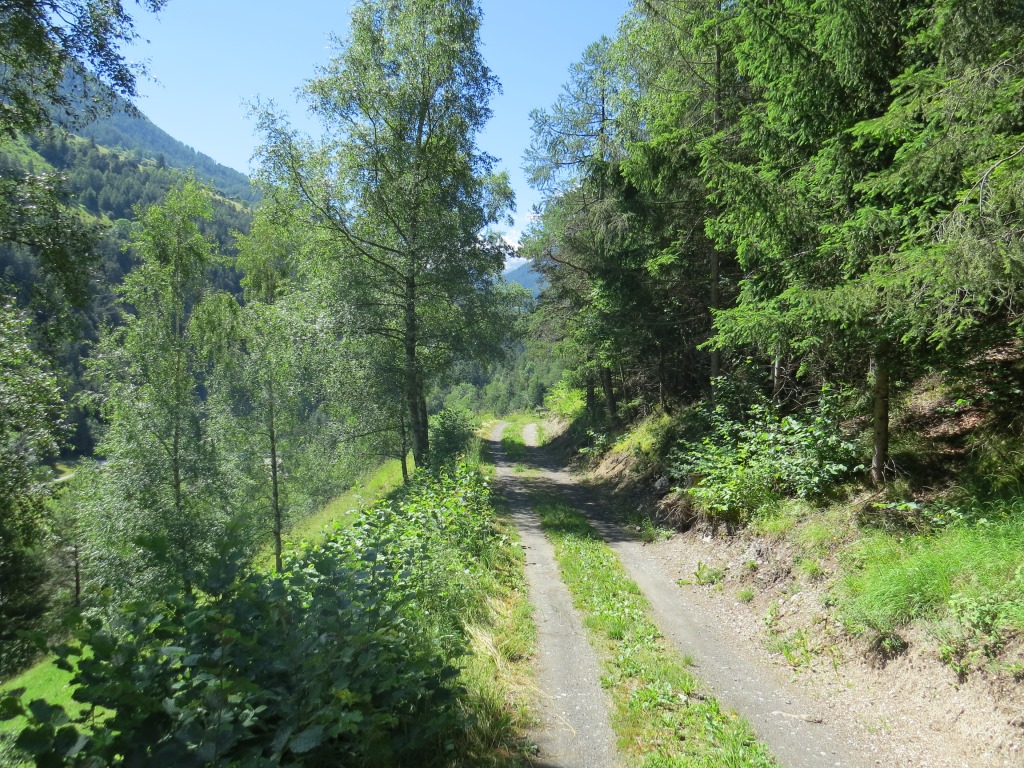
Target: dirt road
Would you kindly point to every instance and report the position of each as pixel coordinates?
(575, 728)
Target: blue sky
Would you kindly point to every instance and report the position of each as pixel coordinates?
(209, 58)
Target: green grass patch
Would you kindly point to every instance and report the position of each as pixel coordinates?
(708, 575)
(660, 716)
(970, 574)
(497, 672)
(42, 681)
(342, 510)
(650, 436)
(512, 442)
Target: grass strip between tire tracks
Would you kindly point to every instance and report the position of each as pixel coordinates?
(661, 718)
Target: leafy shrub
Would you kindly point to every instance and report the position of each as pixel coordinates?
(345, 659)
(599, 443)
(450, 432)
(745, 463)
(708, 575)
(565, 401)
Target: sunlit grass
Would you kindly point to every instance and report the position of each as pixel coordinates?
(512, 442)
(646, 436)
(898, 579)
(497, 673)
(42, 681)
(342, 510)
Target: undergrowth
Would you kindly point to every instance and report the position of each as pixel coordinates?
(751, 456)
(966, 579)
(661, 717)
(357, 654)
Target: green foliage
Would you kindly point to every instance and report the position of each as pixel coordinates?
(163, 492)
(970, 573)
(450, 433)
(31, 413)
(400, 197)
(135, 133)
(708, 575)
(747, 462)
(258, 670)
(347, 656)
(565, 401)
(45, 41)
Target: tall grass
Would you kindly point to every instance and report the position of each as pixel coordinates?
(898, 579)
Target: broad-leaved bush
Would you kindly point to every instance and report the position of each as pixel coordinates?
(347, 658)
(745, 463)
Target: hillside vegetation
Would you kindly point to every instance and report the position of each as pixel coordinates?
(780, 257)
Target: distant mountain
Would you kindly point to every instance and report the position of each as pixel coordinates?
(525, 276)
(136, 133)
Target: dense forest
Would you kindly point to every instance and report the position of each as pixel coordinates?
(770, 228)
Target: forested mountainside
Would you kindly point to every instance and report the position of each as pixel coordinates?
(132, 131)
(103, 189)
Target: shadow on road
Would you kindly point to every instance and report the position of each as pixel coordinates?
(547, 477)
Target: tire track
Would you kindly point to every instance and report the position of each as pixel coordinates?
(782, 716)
(574, 730)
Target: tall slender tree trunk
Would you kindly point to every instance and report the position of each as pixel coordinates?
(714, 299)
(609, 392)
(179, 508)
(424, 419)
(777, 379)
(404, 447)
(415, 399)
(275, 493)
(78, 575)
(880, 413)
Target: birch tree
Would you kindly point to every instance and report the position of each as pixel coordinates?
(397, 190)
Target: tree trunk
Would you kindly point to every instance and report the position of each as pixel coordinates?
(177, 540)
(880, 414)
(424, 421)
(609, 392)
(275, 494)
(591, 397)
(78, 576)
(714, 298)
(413, 383)
(404, 447)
